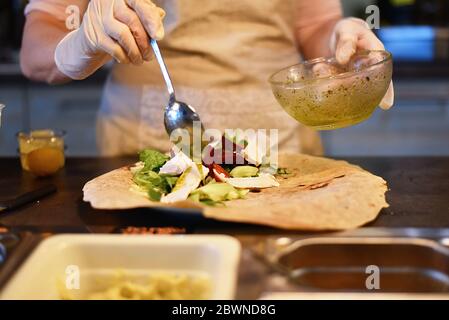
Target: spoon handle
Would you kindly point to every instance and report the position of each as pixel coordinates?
(163, 67)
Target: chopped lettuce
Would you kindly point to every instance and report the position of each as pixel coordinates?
(244, 172)
(153, 160)
(147, 177)
(155, 184)
(171, 181)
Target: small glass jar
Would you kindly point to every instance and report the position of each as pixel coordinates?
(42, 151)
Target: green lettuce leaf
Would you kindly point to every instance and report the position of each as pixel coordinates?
(156, 185)
(171, 181)
(153, 160)
(153, 183)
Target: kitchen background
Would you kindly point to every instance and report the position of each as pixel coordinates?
(416, 31)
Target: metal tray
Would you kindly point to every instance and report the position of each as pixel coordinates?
(8, 241)
(14, 248)
(403, 265)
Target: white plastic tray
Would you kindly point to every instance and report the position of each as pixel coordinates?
(37, 278)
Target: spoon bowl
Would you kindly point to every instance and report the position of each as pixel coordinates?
(178, 115)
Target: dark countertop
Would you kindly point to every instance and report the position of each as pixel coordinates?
(418, 197)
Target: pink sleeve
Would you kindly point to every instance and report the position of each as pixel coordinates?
(311, 13)
(56, 8)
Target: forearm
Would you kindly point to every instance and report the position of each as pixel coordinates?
(42, 34)
(313, 41)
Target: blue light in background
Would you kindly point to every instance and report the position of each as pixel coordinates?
(409, 43)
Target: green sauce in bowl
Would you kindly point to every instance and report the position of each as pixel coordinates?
(324, 95)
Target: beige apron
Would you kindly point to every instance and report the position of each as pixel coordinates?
(220, 55)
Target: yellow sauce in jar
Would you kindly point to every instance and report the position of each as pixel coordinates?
(42, 151)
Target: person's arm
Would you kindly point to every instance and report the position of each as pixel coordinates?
(41, 35)
(321, 32)
(314, 25)
(315, 39)
(117, 30)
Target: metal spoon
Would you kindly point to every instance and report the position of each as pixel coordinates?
(178, 115)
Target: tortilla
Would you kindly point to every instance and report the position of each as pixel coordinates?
(316, 194)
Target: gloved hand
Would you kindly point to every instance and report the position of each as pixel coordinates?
(350, 35)
(110, 28)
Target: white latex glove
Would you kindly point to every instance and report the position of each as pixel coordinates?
(111, 28)
(350, 35)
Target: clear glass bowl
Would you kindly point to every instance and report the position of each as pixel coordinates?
(325, 95)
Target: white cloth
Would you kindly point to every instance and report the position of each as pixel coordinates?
(220, 55)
